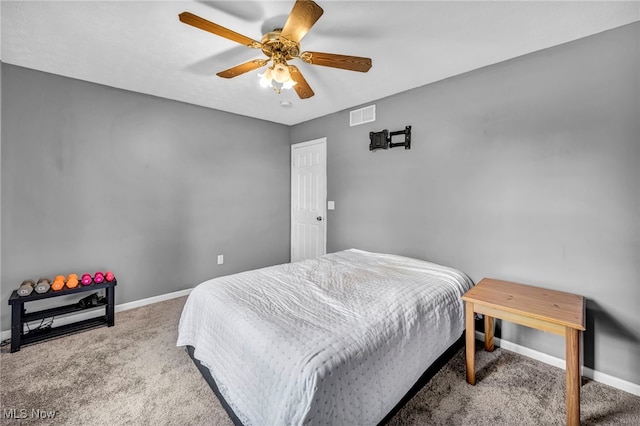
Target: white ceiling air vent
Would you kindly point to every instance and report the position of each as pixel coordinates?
(362, 115)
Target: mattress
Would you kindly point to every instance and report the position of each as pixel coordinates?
(338, 339)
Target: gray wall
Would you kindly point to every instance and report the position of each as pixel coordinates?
(528, 171)
(97, 178)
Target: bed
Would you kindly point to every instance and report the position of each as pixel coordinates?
(339, 339)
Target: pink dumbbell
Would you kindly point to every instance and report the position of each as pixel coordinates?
(98, 277)
(86, 279)
(109, 276)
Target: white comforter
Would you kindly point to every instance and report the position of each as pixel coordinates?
(335, 340)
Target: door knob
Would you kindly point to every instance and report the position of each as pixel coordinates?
(319, 218)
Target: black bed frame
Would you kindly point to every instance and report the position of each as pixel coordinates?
(212, 383)
(423, 380)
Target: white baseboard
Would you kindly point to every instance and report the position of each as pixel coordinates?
(154, 299)
(560, 363)
(58, 321)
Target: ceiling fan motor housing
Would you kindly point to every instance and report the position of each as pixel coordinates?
(273, 43)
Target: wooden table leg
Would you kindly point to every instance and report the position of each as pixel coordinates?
(488, 333)
(470, 343)
(573, 376)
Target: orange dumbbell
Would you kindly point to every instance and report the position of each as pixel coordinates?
(72, 281)
(58, 283)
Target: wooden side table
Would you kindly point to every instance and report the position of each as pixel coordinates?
(548, 310)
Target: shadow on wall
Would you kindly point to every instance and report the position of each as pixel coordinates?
(597, 317)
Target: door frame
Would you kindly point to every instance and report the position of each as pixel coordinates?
(321, 141)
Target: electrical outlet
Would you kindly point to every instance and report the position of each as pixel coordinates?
(220, 259)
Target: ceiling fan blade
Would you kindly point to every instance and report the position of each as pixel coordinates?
(242, 68)
(351, 63)
(301, 87)
(203, 24)
(304, 14)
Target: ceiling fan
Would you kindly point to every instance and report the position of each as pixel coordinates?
(280, 46)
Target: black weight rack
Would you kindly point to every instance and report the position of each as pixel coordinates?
(19, 315)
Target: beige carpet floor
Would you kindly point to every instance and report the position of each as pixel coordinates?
(133, 374)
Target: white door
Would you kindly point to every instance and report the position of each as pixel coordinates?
(308, 199)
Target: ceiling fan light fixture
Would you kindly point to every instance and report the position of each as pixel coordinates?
(280, 73)
(265, 79)
(288, 84)
(277, 76)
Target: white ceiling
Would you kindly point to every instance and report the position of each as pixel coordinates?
(142, 46)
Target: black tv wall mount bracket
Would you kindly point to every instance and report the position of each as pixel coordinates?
(384, 139)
